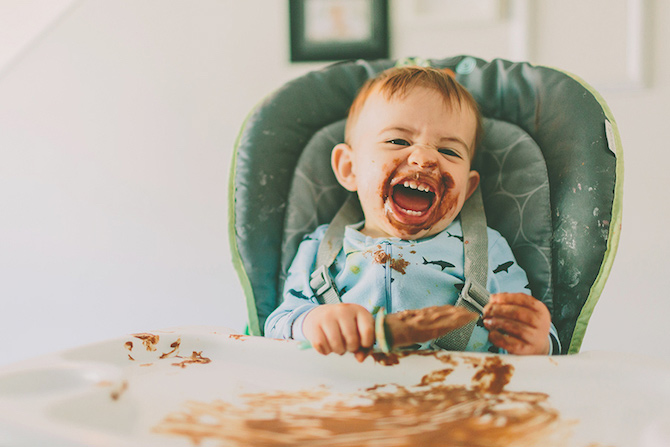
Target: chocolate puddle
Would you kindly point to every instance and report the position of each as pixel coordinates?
(431, 413)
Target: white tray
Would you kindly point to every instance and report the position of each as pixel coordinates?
(198, 386)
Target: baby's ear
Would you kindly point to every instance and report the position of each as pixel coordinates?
(341, 160)
(473, 182)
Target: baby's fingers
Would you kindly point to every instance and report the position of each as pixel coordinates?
(519, 307)
(520, 332)
(362, 354)
(517, 323)
(366, 329)
(336, 340)
(510, 343)
(351, 340)
(358, 332)
(511, 312)
(319, 342)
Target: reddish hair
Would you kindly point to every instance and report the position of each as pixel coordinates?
(398, 81)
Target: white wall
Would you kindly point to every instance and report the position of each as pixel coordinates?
(632, 313)
(116, 130)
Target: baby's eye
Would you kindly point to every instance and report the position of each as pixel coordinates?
(399, 142)
(450, 152)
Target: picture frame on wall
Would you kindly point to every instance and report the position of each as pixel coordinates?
(331, 30)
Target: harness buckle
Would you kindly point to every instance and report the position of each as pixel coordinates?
(320, 281)
(474, 295)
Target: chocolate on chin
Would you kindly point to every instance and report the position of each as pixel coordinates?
(414, 326)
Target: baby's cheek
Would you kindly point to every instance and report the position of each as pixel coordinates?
(450, 199)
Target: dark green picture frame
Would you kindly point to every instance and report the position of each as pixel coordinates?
(340, 32)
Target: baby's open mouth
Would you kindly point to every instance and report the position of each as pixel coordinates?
(413, 198)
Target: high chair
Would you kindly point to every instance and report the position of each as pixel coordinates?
(551, 167)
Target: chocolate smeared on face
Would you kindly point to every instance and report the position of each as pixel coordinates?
(417, 202)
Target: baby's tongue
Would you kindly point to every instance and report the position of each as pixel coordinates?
(411, 199)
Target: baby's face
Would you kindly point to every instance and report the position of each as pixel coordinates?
(411, 161)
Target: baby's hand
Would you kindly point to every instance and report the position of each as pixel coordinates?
(518, 323)
(340, 328)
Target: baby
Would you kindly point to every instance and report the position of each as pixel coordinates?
(410, 138)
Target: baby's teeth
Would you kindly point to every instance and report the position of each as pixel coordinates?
(414, 185)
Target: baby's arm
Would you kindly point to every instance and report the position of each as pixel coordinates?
(285, 321)
(329, 328)
(340, 328)
(518, 323)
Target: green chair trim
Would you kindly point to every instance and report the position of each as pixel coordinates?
(615, 225)
(253, 323)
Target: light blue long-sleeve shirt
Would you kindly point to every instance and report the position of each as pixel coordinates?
(395, 274)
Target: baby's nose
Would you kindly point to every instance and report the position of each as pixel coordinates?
(423, 157)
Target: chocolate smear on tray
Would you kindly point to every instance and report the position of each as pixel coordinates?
(175, 350)
(149, 340)
(119, 390)
(431, 413)
(240, 337)
(196, 357)
(492, 375)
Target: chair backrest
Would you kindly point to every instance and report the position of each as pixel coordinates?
(551, 165)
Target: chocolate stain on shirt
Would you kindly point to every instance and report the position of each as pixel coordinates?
(431, 413)
(398, 264)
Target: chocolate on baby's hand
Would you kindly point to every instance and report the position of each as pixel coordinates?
(414, 326)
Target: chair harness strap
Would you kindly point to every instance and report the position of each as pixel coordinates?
(321, 281)
(474, 295)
